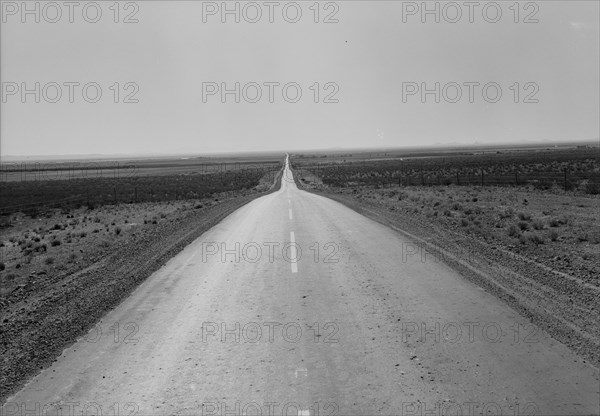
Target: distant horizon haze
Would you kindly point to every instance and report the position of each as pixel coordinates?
(594, 144)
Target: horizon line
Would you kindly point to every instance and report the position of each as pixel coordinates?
(595, 142)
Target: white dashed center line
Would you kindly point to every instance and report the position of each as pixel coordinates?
(293, 253)
(290, 212)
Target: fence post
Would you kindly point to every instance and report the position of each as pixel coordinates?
(481, 177)
(457, 179)
(516, 177)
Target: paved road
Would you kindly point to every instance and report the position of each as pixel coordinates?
(350, 319)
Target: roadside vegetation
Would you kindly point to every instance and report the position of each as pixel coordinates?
(555, 170)
(35, 197)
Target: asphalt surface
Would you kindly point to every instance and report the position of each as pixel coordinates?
(297, 305)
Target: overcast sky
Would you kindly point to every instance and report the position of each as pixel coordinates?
(375, 51)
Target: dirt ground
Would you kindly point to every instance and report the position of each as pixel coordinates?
(537, 250)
